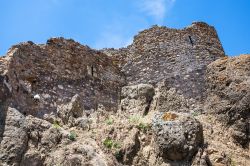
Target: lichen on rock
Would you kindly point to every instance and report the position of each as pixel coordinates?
(178, 137)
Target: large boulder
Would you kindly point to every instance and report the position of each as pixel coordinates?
(13, 141)
(40, 141)
(228, 84)
(36, 128)
(178, 136)
(136, 99)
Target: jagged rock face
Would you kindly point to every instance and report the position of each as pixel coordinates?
(69, 112)
(130, 147)
(4, 89)
(178, 56)
(57, 71)
(14, 138)
(228, 82)
(167, 99)
(36, 142)
(178, 137)
(136, 99)
(41, 140)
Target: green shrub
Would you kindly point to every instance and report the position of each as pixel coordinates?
(56, 125)
(195, 114)
(72, 135)
(134, 119)
(109, 121)
(108, 143)
(143, 127)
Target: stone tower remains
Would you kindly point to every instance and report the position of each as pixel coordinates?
(178, 57)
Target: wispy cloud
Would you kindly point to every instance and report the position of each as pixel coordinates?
(112, 40)
(156, 8)
(113, 36)
(116, 35)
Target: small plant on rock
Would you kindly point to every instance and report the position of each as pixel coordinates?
(134, 119)
(56, 125)
(108, 143)
(143, 127)
(195, 114)
(109, 121)
(72, 135)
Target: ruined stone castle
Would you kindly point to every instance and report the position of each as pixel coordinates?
(61, 68)
(175, 64)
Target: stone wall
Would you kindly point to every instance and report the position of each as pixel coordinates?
(57, 71)
(178, 56)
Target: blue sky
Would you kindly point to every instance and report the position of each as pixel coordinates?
(113, 23)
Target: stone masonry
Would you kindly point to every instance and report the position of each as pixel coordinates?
(178, 56)
(55, 72)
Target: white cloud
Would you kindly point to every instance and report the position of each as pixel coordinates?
(112, 40)
(156, 8)
(113, 36)
(116, 35)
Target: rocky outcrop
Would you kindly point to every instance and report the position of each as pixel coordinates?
(168, 99)
(84, 153)
(14, 140)
(71, 111)
(5, 89)
(228, 82)
(130, 147)
(136, 99)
